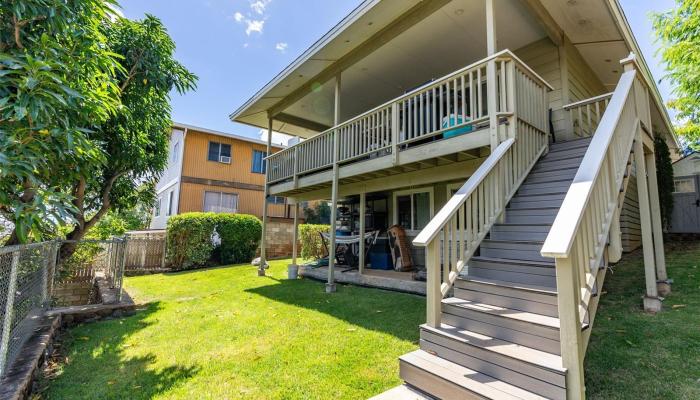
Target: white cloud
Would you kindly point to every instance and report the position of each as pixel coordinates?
(277, 137)
(245, 45)
(238, 16)
(281, 46)
(254, 26)
(259, 6)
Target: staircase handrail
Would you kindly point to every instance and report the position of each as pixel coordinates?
(566, 225)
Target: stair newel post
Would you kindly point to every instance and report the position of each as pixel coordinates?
(492, 102)
(433, 291)
(568, 299)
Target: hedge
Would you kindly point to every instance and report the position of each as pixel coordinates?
(311, 244)
(190, 239)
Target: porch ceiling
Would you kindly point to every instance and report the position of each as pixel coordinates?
(445, 40)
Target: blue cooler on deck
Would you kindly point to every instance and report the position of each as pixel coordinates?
(452, 120)
(380, 261)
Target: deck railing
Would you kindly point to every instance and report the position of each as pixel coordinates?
(586, 114)
(457, 102)
(579, 235)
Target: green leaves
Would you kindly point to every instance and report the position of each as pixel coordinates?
(678, 31)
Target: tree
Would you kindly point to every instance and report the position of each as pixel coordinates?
(679, 32)
(320, 213)
(56, 82)
(664, 178)
(135, 138)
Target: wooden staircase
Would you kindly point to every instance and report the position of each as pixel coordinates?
(499, 337)
(516, 259)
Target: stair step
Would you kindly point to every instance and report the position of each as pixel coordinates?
(514, 316)
(516, 298)
(557, 164)
(570, 144)
(513, 249)
(447, 380)
(563, 154)
(530, 216)
(402, 392)
(519, 232)
(560, 175)
(464, 348)
(511, 266)
(544, 188)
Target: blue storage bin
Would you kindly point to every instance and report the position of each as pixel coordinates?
(380, 261)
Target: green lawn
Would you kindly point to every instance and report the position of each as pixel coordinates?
(634, 355)
(224, 333)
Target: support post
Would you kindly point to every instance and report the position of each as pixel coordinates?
(663, 286)
(330, 285)
(652, 303)
(569, 289)
(491, 84)
(363, 205)
(295, 234)
(266, 193)
(433, 291)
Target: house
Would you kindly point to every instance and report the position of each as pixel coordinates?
(685, 217)
(215, 171)
(505, 137)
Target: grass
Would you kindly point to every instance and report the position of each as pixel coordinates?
(224, 333)
(634, 355)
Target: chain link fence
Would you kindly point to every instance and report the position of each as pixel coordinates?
(33, 280)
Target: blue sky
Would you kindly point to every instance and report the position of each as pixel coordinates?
(237, 46)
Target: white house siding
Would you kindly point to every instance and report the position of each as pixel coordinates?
(169, 182)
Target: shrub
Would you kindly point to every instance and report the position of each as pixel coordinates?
(311, 243)
(189, 239)
(240, 237)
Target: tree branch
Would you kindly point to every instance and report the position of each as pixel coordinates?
(132, 72)
(18, 26)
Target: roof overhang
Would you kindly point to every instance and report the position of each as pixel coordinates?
(597, 28)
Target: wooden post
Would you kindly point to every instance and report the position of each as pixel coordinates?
(295, 233)
(330, 285)
(263, 241)
(651, 297)
(363, 205)
(433, 292)
(491, 84)
(663, 287)
(569, 289)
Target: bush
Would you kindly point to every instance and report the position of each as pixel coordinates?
(311, 243)
(189, 239)
(190, 244)
(240, 237)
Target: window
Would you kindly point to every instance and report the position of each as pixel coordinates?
(259, 161)
(413, 208)
(219, 152)
(176, 152)
(170, 203)
(220, 202)
(275, 200)
(156, 208)
(684, 185)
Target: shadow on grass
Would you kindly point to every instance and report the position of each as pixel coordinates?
(92, 363)
(394, 313)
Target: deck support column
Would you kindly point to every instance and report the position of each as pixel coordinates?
(330, 285)
(662, 284)
(363, 205)
(266, 194)
(652, 303)
(295, 236)
(491, 89)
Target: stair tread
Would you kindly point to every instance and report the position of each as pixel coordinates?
(473, 381)
(402, 392)
(504, 312)
(514, 241)
(515, 261)
(539, 358)
(511, 285)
